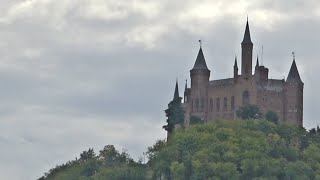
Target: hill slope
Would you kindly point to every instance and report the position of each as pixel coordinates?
(221, 150)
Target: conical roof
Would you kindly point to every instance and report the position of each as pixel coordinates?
(257, 64)
(200, 61)
(186, 87)
(176, 91)
(294, 74)
(235, 62)
(247, 37)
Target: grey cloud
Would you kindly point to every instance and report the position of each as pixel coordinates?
(72, 79)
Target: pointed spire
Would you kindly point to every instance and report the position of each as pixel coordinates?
(247, 37)
(200, 61)
(186, 87)
(176, 91)
(294, 73)
(257, 64)
(235, 62)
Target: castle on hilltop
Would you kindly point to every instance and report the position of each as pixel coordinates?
(219, 99)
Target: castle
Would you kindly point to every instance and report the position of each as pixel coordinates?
(219, 99)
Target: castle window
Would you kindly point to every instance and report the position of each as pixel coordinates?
(202, 104)
(211, 104)
(192, 105)
(197, 104)
(225, 104)
(218, 104)
(232, 103)
(245, 98)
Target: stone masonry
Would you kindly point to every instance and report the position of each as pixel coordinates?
(219, 99)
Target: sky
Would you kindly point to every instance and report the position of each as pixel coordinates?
(82, 74)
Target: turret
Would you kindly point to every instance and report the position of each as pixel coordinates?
(200, 75)
(257, 70)
(246, 46)
(185, 98)
(260, 72)
(174, 113)
(176, 92)
(294, 96)
(235, 69)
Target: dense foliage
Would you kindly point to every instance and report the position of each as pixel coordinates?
(251, 149)
(249, 112)
(109, 164)
(174, 114)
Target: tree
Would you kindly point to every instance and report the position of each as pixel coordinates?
(153, 151)
(87, 155)
(174, 114)
(249, 112)
(195, 120)
(109, 154)
(272, 117)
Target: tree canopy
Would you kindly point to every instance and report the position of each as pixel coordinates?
(251, 149)
(174, 114)
(249, 112)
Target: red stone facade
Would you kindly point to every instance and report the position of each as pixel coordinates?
(219, 99)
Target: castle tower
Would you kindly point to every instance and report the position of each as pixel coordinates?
(294, 96)
(174, 113)
(176, 92)
(257, 70)
(246, 46)
(199, 75)
(235, 68)
(185, 97)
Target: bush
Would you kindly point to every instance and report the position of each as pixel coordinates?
(249, 112)
(272, 117)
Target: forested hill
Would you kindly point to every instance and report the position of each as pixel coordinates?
(245, 149)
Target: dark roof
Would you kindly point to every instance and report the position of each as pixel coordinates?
(200, 61)
(235, 62)
(247, 37)
(186, 87)
(257, 64)
(176, 91)
(272, 85)
(294, 73)
(222, 82)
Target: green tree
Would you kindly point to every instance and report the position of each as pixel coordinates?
(87, 155)
(248, 112)
(174, 114)
(272, 117)
(195, 120)
(221, 150)
(154, 150)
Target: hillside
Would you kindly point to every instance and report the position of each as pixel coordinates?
(246, 149)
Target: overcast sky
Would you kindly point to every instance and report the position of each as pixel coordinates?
(77, 74)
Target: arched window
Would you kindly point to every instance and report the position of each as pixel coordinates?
(211, 104)
(197, 104)
(232, 103)
(218, 104)
(245, 98)
(225, 104)
(192, 105)
(202, 104)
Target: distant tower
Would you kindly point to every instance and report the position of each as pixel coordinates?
(235, 68)
(294, 96)
(257, 70)
(185, 98)
(174, 113)
(176, 92)
(246, 46)
(200, 75)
